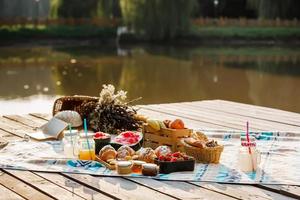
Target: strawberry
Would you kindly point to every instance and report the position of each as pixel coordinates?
(161, 158)
(185, 157)
(169, 155)
(168, 158)
(174, 159)
(176, 154)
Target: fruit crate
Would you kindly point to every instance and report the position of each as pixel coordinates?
(165, 136)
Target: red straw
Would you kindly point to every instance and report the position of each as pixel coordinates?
(248, 139)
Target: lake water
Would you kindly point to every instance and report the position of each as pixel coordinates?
(31, 78)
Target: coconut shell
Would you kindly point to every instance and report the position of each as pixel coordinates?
(71, 117)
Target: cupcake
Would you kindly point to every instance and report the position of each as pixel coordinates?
(125, 153)
(146, 154)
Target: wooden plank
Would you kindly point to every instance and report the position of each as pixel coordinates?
(72, 186)
(21, 188)
(268, 114)
(246, 111)
(45, 116)
(181, 190)
(199, 118)
(8, 136)
(220, 118)
(14, 130)
(288, 190)
(225, 118)
(43, 185)
(242, 191)
(190, 122)
(278, 112)
(119, 187)
(258, 124)
(24, 120)
(9, 195)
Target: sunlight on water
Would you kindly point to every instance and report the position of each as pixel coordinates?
(32, 104)
(31, 78)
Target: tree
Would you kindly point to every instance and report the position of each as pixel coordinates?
(77, 8)
(272, 9)
(109, 8)
(158, 19)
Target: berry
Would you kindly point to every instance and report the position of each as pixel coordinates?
(176, 154)
(168, 158)
(174, 159)
(169, 155)
(185, 157)
(100, 135)
(161, 158)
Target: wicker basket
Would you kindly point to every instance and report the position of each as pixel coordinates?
(203, 155)
(70, 102)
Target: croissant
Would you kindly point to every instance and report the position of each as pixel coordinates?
(195, 143)
(107, 153)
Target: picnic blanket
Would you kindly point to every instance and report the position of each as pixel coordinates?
(280, 160)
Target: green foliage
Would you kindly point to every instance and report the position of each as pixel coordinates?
(54, 5)
(77, 8)
(158, 19)
(109, 8)
(84, 9)
(272, 9)
(287, 9)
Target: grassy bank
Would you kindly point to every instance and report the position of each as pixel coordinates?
(197, 35)
(56, 32)
(246, 32)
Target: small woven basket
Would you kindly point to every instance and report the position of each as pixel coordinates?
(203, 155)
(71, 102)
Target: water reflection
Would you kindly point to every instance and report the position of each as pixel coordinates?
(261, 76)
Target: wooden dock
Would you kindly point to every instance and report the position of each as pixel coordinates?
(215, 114)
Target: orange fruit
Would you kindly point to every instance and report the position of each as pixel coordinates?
(177, 124)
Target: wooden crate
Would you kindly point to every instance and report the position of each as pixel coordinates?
(165, 136)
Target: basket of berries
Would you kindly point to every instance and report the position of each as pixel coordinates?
(175, 162)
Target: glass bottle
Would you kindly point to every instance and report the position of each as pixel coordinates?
(70, 143)
(86, 147)
(249, 156)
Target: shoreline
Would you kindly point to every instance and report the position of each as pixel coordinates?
(129, 41)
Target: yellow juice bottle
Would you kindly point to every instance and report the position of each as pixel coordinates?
(86, 148)
(87, 154)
